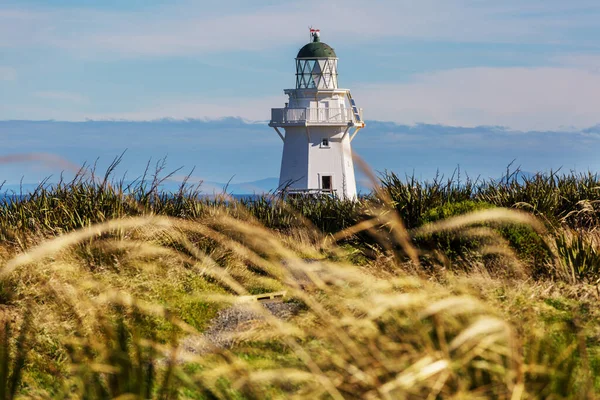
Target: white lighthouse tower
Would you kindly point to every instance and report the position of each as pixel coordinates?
(319, 122)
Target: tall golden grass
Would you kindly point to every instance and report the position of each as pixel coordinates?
(109, 310)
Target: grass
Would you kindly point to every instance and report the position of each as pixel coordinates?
(420, 290)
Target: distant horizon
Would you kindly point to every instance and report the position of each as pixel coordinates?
(249, 151)
(270, 185)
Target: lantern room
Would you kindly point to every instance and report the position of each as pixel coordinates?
(316, 65)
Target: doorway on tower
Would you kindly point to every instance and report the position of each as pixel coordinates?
(326, 183)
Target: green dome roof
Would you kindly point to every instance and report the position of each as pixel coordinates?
(316, 50)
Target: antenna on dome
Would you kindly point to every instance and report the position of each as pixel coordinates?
(315, 34)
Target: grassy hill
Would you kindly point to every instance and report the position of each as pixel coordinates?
(440, 289)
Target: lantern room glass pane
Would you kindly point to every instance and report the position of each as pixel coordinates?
(316, 68)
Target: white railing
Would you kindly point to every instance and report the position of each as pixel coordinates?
(313, 115)
(308, 192)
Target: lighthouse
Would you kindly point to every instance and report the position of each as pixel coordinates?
(317, 126)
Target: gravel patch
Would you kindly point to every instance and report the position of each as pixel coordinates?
(232, 320)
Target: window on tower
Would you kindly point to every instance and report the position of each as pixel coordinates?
(326, 183)
(325, 143)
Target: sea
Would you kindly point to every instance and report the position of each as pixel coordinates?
(10, 197)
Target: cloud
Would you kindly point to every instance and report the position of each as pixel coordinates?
(46, 159)
(25, 28)
(58, 106)
(521, 98)
(537, 98)
(253, 109)
(187, 28)
(7, 74)
(588, 62)
(62, 96)
(542, 98)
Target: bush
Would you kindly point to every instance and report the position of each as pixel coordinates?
(528, 244)
(412, 199)
(579, 256)
(453, 209)
(453, 244)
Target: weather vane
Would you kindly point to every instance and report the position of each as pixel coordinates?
(315, 34)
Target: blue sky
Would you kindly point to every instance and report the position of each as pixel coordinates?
(524, 64)
(528, 65)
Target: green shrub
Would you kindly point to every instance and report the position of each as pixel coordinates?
(525, 241)
(453, 209)
(412, 199)
(579, 257)
(571, 198)
(528, 244)
(452, 244)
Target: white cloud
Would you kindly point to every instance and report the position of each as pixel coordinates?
(46, 159)
(252, 109)
(548, 98)
(588, 62)
(520, 98)
(62, 96)
(24, 27)
(7, 74)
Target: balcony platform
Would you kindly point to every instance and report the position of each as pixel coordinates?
(308, 192)
(282, 117)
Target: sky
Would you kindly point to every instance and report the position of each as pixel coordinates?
(524, 65)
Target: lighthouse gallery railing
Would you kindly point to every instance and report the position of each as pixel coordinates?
(313, 115)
